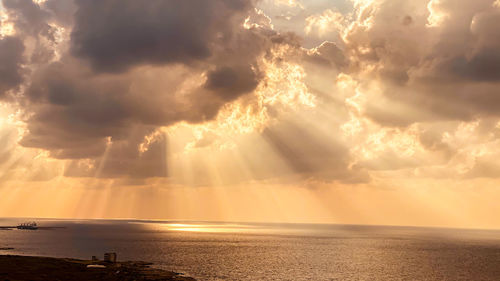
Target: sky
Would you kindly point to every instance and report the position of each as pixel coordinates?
(301, 111)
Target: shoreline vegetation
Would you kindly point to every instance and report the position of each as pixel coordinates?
(20, 268)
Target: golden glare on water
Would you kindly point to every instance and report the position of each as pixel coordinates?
(207, 228)
(229, 228)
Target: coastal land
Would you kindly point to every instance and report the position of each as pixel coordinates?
(21, 268)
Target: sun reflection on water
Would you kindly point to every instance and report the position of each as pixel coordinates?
(208, 228)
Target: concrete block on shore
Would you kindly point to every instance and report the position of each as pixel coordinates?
(110, 257)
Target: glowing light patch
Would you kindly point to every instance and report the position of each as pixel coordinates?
(148, 140)
(6, 27)
(205, 227)
(365, 10)
(258, 20)
(328, 21)
(436, 17)
(353, 127)
(290, 3)
(60, 35)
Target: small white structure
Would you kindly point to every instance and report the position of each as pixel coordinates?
(110, 257)
(95, 266)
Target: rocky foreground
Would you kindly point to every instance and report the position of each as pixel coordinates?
(17, 268)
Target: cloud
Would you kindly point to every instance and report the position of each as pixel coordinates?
(327, 22)
(231, 82)
(28, 17)
(73, 112)
(98, 89)
(329, 54)
(116, 35)
(11, 63)
(124, 70)
(448, 68)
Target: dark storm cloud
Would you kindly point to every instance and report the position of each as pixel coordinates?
(32, 24)
(73, 112)
(62, 11)
(116, 34)
(231, 82)
(482, 63)
(483, 67)
(11, 59)
(122, 73)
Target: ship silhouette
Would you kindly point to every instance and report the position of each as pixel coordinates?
(28, 226)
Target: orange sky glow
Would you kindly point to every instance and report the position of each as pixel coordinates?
(301, 111)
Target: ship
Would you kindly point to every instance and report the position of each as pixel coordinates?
(28, 226)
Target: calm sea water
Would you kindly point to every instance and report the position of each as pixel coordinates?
(217, 251)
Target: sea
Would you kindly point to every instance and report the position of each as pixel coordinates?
(265, 251)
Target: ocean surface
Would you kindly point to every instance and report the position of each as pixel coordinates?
(235, 251)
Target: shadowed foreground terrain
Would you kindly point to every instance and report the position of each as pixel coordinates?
(17, 268)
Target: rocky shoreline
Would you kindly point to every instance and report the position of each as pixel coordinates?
(20, 268)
